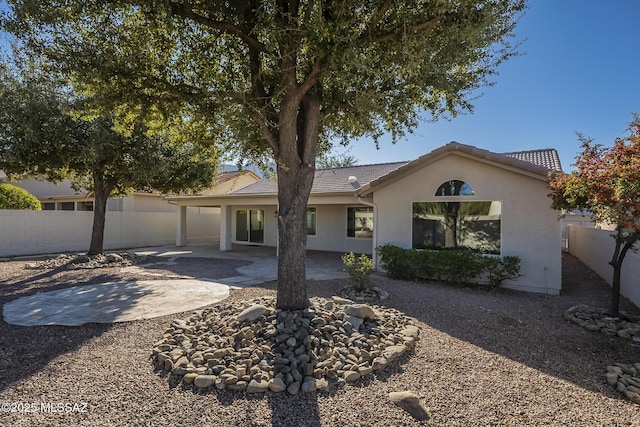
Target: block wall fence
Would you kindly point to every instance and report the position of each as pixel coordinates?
(42, 232)
(594, 247)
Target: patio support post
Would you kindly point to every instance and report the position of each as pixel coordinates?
(225, 228)
(181, 231)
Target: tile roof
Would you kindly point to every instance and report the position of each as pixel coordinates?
(334, 180)
(547, 157)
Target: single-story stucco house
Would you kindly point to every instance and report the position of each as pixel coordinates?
(456, 195)
(63, 197)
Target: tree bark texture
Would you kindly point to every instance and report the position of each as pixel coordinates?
(101, 192)
(615, 290)
(295, 159)
(622, 247)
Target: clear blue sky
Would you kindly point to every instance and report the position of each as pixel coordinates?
(579, 72)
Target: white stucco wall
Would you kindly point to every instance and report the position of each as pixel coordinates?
(203, 224)
(39, 232)
(270, 224)
(530, 228)
(595, 248)
(331, 232)
(331, 229)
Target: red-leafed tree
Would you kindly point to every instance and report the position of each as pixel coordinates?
(607, 183)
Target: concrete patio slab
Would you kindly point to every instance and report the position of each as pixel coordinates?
(113, 302)
(143, 299)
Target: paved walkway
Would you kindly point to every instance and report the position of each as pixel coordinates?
(143, 299)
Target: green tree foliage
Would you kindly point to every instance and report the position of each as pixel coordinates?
(12, 197)
(606, 182)
(39, 135)
(328, 160)
(277, 78)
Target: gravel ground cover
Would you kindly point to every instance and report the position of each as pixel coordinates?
(484, 357)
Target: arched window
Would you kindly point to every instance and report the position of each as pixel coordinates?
(455, 187)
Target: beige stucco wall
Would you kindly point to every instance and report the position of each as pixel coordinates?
(331, 229)
(139, 202)
(147, 203)
(270, 224)
(43, 189)
(530, 228)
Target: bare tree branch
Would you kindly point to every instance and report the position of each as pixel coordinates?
(264, 129)
(312, 78)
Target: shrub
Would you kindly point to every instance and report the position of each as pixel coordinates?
(359, 270)
(504, 268)
(400, 263)
(12, 197)
(451, 265)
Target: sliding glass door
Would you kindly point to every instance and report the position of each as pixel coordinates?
(250, 225)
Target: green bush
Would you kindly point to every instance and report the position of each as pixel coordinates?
(359, 270)
(450, 265)
(12, 197)
(504, 268)
(400, 263)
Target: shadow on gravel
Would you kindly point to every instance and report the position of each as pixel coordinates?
(25, 351)
(286, 410)
(299, 410)
(527, 328)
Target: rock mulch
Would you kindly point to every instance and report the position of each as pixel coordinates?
(82, 261)
(625, 377)
(369, 294)
(251, 346)
(596, 319)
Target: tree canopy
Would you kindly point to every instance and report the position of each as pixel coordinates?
(39, 135)
(276, 79)
(606, 182)
(12, 197)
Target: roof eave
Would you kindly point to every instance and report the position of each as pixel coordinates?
(499, 160)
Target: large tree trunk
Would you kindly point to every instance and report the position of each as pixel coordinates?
(295, 167)
(101, 192)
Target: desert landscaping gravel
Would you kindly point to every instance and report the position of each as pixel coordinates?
(484, 358)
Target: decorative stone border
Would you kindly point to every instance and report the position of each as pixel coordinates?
(250, 346)
(82, 261)
(369, 294)
(596, 319)
(624, 376)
